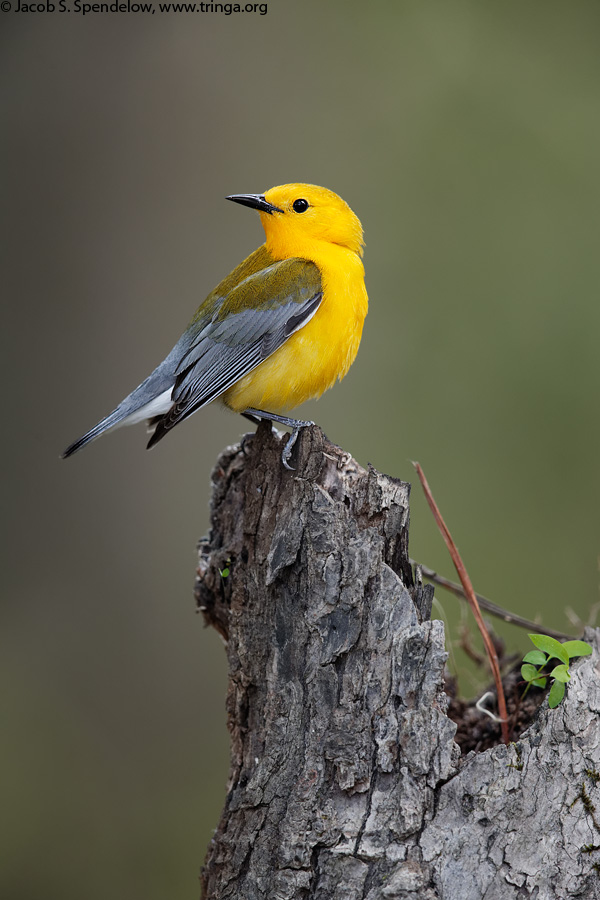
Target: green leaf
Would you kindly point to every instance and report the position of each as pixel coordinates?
(540, 682)
(561, 673)
(577, 648)
(550, 646)
(536, 657)
(528, 673)
(557, 692)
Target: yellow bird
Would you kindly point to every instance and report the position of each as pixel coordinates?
(279, 330)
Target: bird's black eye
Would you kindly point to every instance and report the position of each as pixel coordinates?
(300, 206)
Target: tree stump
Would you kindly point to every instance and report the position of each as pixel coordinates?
(345, 781)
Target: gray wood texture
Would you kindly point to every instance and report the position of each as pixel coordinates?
(345, 781)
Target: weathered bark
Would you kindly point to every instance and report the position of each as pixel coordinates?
(345, 780)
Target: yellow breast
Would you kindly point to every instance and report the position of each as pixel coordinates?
(322, 351)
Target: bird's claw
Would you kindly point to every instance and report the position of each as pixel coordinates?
(287, 450)
(295, 424)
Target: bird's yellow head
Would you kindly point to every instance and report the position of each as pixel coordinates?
(296, 216)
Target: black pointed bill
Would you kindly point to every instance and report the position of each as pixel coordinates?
(254, 201)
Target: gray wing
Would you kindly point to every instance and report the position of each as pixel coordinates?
(229, 335)
(257, 317)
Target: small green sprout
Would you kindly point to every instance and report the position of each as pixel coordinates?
(224, 573)
(535, 664)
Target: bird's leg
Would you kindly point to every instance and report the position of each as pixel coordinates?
(294, 424)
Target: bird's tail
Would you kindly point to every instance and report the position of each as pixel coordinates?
(151, 399)
(109, 422)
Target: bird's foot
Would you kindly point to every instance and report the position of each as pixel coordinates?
(295, 424)
(289, 444)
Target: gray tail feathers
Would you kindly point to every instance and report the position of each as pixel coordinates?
(149, 390)
(161, 380)
(93, 433)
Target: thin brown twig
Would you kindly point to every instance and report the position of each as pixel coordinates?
(467, 647)
(489, 605)
(472, 599)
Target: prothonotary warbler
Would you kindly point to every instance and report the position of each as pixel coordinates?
(279, 330)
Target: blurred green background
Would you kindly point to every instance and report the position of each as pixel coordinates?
(466, 136)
